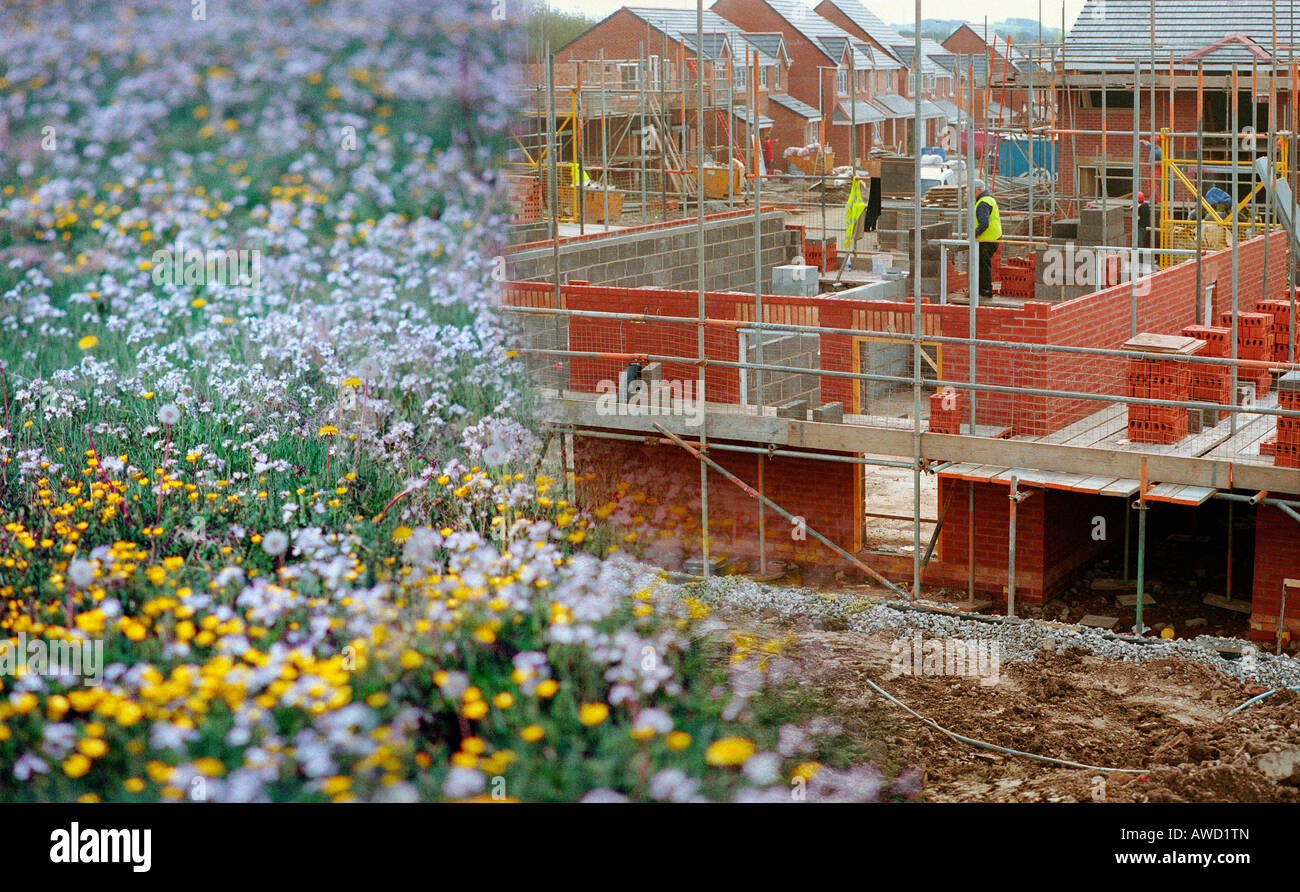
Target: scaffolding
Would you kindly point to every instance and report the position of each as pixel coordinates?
(1214, 464)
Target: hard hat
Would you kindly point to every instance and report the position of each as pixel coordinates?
(1142, 196)
(980, 186)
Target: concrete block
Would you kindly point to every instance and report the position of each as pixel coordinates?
(796, 409)
(797, 280)
(831, 413)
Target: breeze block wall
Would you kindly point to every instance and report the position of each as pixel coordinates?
(663, 255)
(651, 494)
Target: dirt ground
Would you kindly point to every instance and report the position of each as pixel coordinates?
(1166, 716)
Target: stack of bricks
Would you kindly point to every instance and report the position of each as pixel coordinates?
(1158, 379)
(525, 199)
(1018, 277)
(1280, 310)
(1211, 383)
(947, 409)
(1255, 343)
(821, 253)
(1286, 446)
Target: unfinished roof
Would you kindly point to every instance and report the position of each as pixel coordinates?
(1111, 34)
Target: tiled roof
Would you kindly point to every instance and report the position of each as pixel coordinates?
(802, 109)
(1111, 34)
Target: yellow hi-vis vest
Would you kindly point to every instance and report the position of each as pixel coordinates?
(854, 208)
(994, 231)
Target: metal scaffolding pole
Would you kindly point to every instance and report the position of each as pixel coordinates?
(1137, 179)
(705, 461)
(1236, 95)
(916, 321)
(699, 261)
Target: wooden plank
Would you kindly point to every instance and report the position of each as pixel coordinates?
(1083, 425)
(1150, 342)
(1099, 622)
(579, 410)
(1180, 494)
(1095, 483)
(1124, 488)
(1239, 605)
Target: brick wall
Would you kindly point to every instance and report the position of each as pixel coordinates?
(1103, 320)
(657, 491)
(1277, 557)
(1054, 536)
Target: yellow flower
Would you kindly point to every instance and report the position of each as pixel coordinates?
(593, 713)
(88, 342)
(92, 747)
(806, 770)
(328, 430)
(532, 733)
(336, 784)
(76, 765)
(729, 751)
(133, 784)
(678, 740)
(548, 688)
(411, 659)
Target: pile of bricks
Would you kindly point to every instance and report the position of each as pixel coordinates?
(1211, 383)
(947, 409)
(1018, 277)
(1158, 379)
(1286, 445)
(1254, 342)
(821, 253)
(1280, 309)
(525, 199)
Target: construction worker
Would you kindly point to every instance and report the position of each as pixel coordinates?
(988, 232)
(1144, 221)
(769, 153)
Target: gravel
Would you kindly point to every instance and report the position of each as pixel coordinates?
(1021, 640)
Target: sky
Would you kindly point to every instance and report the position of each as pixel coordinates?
(892, 11)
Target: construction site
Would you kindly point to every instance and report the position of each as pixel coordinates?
(779, 362)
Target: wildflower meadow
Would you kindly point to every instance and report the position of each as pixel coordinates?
(267, 455)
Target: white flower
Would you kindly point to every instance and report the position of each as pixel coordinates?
(275, 543)
(169, 414)
(463, 782)
(763, 768)
(81, 573)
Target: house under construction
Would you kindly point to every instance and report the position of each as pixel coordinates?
(755, 382)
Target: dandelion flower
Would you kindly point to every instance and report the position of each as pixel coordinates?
(88, 342)
(729, 751)
(275, 543)
(169, 414)
(328, 430)
(593, 713)
(81, 573)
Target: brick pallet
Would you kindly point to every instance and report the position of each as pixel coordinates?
(1017, 277)
(1286, 443)
(1159, 379)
